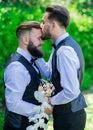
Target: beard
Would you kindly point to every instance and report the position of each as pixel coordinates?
(34, 50)
(46, 34)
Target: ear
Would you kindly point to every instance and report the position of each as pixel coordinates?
(25, 40)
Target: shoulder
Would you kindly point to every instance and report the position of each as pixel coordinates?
(67, 53)
(15, 67)
(66, 50)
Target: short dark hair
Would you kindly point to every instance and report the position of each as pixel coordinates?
(59, 14)
(26, 26)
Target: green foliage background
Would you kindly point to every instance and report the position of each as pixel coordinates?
(12, 13)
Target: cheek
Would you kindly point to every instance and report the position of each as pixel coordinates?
(36, 42)
(46, 27)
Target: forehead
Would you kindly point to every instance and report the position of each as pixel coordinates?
(45, 16)
(36, 32)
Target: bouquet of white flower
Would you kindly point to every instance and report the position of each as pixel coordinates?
(45, 90)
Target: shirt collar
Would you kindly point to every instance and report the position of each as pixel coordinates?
(24, 54)
(60, 38)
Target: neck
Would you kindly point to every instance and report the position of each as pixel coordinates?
(57, 31)
(58, 34)
(23, 47)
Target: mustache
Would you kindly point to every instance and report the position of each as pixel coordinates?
(45, 38)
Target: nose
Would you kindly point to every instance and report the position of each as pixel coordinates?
(41, 25)
(41, 42)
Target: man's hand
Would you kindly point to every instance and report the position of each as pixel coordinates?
(48, 110)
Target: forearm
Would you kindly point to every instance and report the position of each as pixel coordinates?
(21, 107)
(44, 68)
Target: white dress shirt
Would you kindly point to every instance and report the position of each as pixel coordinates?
(67, 65)
(16, 79)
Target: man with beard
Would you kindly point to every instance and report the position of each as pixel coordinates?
(65, 68)
(22, 77)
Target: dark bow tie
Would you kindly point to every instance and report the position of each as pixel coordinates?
(54, 46)
(33, 60)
